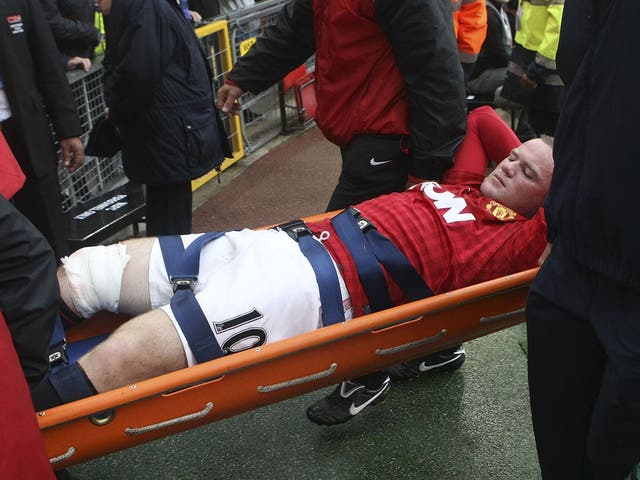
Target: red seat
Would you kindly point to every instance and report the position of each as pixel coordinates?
(293, 76)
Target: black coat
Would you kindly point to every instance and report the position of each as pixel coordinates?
(33, 74)
(28, 290)
(72, 24)
(591, 208)
(158, 89)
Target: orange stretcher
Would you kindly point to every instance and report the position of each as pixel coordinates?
(211, 391)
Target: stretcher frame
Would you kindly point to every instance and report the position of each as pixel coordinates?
(234, 384)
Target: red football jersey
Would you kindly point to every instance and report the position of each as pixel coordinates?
(452, 234)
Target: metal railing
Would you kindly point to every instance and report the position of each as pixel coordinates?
(260, 116)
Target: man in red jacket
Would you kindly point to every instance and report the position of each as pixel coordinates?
(389, 86)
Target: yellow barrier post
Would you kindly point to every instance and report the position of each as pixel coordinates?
(219, 30)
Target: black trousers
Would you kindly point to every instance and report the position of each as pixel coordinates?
(168, 209)
(584, 371)
(372, 165)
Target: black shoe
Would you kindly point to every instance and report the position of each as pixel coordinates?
(346, 401)
(438, 362)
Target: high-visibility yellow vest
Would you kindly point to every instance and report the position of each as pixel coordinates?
(99, 23)
(540, 28)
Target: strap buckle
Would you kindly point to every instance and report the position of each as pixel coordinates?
(363, 223)
(182, 283)
(295, 229)
(57, 355)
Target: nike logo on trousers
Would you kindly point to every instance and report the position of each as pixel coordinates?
(373, 162)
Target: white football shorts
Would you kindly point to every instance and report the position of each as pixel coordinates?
(254, 287)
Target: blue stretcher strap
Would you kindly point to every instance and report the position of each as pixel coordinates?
(323, 268)
(369, 271)
(71, 383)
(58, 345)
(195, 326)
(384, 251)
(183, 267)
(410, 282)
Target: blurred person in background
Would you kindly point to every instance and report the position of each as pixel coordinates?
(33, 92)
(159, 93)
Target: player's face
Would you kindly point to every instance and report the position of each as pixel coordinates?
(521, 181)
(104, 6)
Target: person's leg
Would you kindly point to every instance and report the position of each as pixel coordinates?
(372, 165)
(487, 82)
(114, 278)
(565, 362)
(131, 353)
(614, 443)
(168, 209)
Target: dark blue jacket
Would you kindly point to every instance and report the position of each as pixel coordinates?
(158, 89)
(591, 208)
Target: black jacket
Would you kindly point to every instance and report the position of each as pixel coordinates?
(28, 290)
(591, 208)
(157, 85)
(72, 24)
(33, 75)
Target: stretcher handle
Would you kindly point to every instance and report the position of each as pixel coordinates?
(65, 456)
(410, 345)
(170, 422)
(298, 381)
(502, 316)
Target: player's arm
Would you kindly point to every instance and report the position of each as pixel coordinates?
(489, 139)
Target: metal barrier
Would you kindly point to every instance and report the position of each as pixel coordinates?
(99, 175)
(260, 116)
(214, 38)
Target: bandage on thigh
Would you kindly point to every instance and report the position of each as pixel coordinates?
(94, 276)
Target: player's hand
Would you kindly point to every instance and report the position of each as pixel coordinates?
(228, 102)
(72, 153)
(545, 254)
